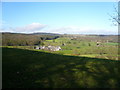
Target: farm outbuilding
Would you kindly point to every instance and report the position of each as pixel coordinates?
(51, 48)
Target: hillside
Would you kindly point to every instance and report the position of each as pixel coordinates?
(27, 68)
(20, 39)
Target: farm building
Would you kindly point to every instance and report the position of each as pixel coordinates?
(51, 48)
(54, 48)
(98, 43)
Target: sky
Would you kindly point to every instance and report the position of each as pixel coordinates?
(58, 17)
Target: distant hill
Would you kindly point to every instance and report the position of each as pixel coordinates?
(45, 34)
(42, 33)
(22, 39)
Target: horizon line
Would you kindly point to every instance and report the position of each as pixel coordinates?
(59, 33)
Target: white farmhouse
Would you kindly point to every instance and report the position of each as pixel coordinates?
(51, 48)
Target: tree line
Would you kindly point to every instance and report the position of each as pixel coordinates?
(13, 39)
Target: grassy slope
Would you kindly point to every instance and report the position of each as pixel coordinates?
(81, 48)
(25, 68)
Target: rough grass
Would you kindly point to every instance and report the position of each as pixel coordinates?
(26, 69)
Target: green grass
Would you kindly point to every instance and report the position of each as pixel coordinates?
(80, 48)
(111, 43)
(26, 68)
(85, 48)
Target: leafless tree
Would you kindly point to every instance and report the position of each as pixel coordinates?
(116, 15)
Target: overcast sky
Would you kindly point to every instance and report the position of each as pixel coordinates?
(58, 17)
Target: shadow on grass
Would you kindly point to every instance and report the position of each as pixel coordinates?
(26, 69)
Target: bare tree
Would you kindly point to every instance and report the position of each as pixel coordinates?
(116, 16)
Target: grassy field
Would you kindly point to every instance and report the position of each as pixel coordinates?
(81, 47)
(80, 64)
(24, 68)
(78, 47)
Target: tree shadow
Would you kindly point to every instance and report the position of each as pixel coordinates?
(33, 69)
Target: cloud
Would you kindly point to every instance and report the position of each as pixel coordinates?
(83, 30)
(27, 29)
(31, 27)
(37, 27)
